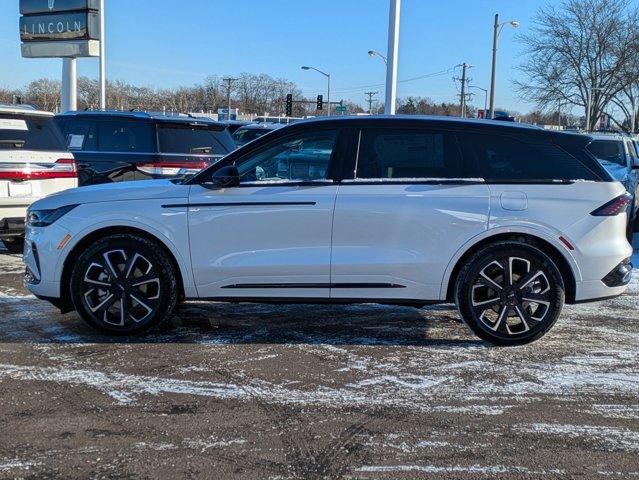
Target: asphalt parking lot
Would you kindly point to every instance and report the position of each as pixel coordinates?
(256, 391)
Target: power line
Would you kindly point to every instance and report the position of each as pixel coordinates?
(413, 79)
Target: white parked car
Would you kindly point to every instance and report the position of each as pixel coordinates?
(509, 222)
(34, 162)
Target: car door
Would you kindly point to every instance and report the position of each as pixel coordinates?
(403, 216)
(271, 235)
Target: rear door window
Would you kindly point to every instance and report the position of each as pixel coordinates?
(192, 139)
(502, 158)
(79, 134)
(126, 137)
(407, 154)
(30, 132)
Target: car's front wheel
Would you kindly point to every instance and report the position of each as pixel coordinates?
(124, 284)
(510, 293)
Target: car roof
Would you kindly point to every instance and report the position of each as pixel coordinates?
(23, 110)
(139, 115)
(608, 136)
(426, 119)
(262, 126)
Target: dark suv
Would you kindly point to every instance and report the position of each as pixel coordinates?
(115, 146)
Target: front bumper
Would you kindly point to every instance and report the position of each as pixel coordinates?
(42, 258)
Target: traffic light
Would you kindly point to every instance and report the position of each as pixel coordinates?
(289, 105)
(320, 102)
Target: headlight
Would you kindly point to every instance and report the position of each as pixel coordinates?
(44, 218)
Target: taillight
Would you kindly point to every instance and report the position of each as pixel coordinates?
(171, 169)
(614, 207)
(62, 168)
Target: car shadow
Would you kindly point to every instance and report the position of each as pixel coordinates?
(26, 320)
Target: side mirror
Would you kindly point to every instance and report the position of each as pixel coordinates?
(226, 177)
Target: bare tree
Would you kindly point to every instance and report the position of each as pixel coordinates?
(577, 47)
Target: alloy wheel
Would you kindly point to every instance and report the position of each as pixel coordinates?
(511, 296)
(121, 287)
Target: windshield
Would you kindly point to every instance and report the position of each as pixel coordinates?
(245, 135)
(609, 151)
(193, 139)
(30, 132)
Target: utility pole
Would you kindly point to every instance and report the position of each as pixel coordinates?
(463, 97)
(462, 104)
(370, 100)
(229, 82)
(392, 57)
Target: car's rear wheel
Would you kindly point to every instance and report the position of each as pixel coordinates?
(13, 244)
(510, 293)
(124, 284)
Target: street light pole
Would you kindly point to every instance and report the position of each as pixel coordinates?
(392, 57)
(485, 90)
(496, 31)
(328, 78)
(373, 53)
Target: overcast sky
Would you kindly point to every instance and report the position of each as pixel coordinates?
(164, 43)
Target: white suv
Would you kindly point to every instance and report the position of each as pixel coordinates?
(33, 163)
(507, 221)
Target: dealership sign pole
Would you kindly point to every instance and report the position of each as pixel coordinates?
(392, 58)
(67, 29)
(102, 60)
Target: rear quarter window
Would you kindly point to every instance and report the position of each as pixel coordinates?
(25, 132)
(194, 139)
(502, 158)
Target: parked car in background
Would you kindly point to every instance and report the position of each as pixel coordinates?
(248, 133)
(116, 146)
(233, 125)
(33, 163)
(507, 221)
(617, 153)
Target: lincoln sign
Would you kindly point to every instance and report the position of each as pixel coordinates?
(59, 28)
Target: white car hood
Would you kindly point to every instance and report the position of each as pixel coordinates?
(111, 192)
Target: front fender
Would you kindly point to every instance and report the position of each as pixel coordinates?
(170, 228)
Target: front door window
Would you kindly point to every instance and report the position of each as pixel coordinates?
(298, 158)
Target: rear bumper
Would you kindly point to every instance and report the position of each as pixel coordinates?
(12, 227)
(12, 220)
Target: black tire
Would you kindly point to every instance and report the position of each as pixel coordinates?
(123, 284)
(496, 309)
(13, 244)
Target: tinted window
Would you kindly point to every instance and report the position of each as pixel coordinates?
(608, 150)
(303, 157)
(79, 134)
(25, 132)
(405, 153)
(245, 135)
(126, 137)
(500, 158)
(631, 149)
(177, 138)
